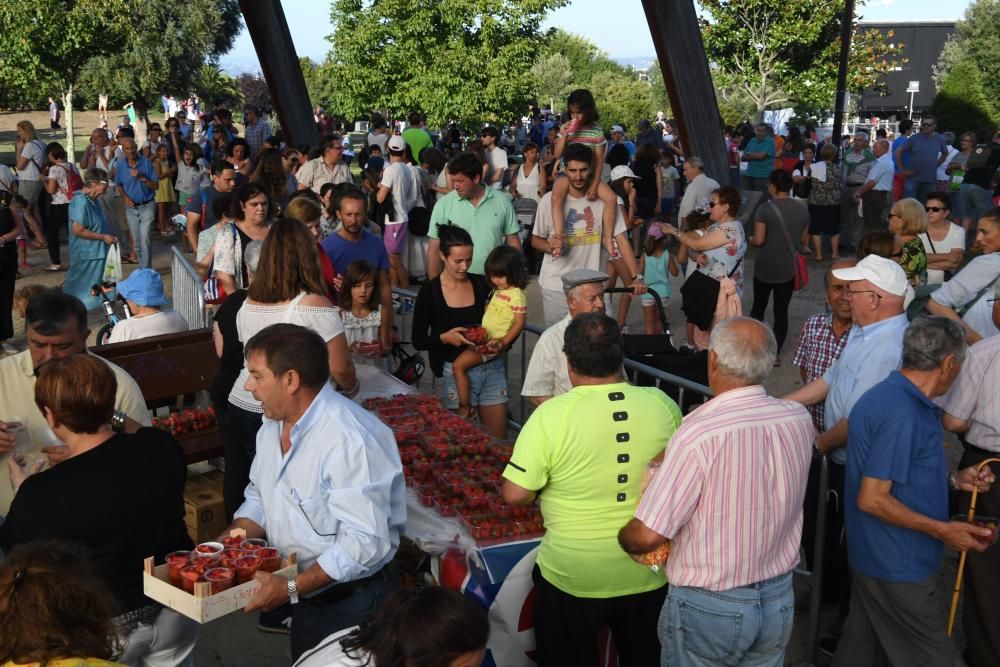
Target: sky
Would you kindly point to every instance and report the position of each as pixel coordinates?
(625, 36)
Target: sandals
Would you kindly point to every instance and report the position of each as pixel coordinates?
(129, 260)
(53, 268)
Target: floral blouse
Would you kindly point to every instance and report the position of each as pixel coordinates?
(722, 260)
(913, 259)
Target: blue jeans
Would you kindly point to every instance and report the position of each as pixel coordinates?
(748, 626)
(140, 223)
(918, 190)
(976, 201)
(734, 177)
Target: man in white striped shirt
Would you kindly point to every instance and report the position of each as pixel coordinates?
(728, 497)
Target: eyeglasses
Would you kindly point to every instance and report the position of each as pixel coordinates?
(713, 204)
(934, 209)
(927, 125)
(851, 292)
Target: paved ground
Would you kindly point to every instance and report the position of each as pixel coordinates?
(234, 641)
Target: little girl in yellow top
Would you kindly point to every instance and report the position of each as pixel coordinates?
(503, 320)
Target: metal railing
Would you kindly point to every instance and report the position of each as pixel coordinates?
(188, 293)
(668, 382)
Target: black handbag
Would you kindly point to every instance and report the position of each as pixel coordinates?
(409, 367)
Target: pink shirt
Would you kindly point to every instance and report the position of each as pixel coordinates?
(729, 492)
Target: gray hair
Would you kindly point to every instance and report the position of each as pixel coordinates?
(949, 137)
(749, 358)
(696, 161)
(864, 135)
(929, 339)
(94, 175)
(251, 256)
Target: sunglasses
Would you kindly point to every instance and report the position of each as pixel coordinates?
(934, 209)
(713, 204)
(927, 125)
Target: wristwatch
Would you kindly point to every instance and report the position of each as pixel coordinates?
(293, 592)
(953, 481)
(118, 421)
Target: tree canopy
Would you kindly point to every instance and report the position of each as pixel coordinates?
(465, 60)
(960, 103)
(975, 40)
(781, 53)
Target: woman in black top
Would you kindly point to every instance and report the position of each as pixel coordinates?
(448, 305)
(9, 231)
(230, 351)
(648, 187)
(119, 495)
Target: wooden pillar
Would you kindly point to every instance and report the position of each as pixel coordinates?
(280, 65)
(685, 71)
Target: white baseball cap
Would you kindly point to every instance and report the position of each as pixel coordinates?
(397, 143)
(883, 273)
(622, 171)
(618, 128)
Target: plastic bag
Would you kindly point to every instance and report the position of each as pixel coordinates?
(113, 265)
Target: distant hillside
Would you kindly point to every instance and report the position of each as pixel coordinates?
(639, 62)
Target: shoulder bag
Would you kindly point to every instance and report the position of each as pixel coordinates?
(799, 263)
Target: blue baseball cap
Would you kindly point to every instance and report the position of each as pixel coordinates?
(144, 287)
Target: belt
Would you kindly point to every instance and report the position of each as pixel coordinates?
(137, 204)
(339, 592)
(985, 453)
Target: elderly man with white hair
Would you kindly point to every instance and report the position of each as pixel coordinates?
(728, 498)
(699, 187)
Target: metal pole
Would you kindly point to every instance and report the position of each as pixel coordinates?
(816, 578)
(840, 106)
(911, 105)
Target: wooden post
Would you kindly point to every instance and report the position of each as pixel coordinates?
(280, 65)
(840, 104)
(685, 68)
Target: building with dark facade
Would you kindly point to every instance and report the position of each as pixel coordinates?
(922, 43)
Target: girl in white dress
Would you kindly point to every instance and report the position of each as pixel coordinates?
(361, 313)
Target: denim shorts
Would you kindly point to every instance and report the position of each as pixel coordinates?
(487, 384)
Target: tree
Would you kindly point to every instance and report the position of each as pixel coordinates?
(51, 41)
(658, 89)
(467, 60)
(781, 53)
(961, 104)
(585, 58)
(312, 72)
(212, 83)
(170, 41)
(621, 99)
(551, 76)
(255, 92)
(975, 39)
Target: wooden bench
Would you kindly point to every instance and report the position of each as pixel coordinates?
(166, 367)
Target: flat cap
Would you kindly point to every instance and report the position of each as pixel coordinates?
(581, 277)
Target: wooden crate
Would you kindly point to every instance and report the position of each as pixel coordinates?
(202, 606)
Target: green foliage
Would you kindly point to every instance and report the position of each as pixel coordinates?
(313, 74)
(779, 53)
(658, 89)
(622, 99)
(170, 41)
(961, 104)
(585, 59)
(552, 76)
(975, 40)
(212, 83)
(465, 60)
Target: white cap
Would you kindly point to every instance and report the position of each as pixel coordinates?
(396, 143)
(883, 273)
(622, 171)
(618, 128)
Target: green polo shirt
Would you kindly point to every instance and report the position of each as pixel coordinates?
(586, 451)
(488, 224)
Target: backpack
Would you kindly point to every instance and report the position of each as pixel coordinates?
(73, 181)
(980, 157)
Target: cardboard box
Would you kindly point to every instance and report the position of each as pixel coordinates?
(202, 606)
(204, 507)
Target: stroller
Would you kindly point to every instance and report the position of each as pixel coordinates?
(658, 351)
(525, 210)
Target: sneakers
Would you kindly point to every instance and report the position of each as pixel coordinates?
(53, 268)
(276, 622)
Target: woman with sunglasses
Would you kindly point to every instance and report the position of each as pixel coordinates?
(908, 219)
(944, 241)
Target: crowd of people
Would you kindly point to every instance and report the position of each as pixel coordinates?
(300, 252)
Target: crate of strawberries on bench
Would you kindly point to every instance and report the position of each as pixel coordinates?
(454, 467)
(216, 578)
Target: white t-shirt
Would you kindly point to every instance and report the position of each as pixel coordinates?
(253, 317)
(583, 238)
(7, 178)
(57, 173)
(188, 178)
(817, 170)
(329, 653)
(954, 239)
(548, 374)
(34, 151)
(404, 183)
(942, 175)
(497, 158)
(144, 326)
(379, 140)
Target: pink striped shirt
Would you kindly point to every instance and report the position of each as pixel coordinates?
(729, 492)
